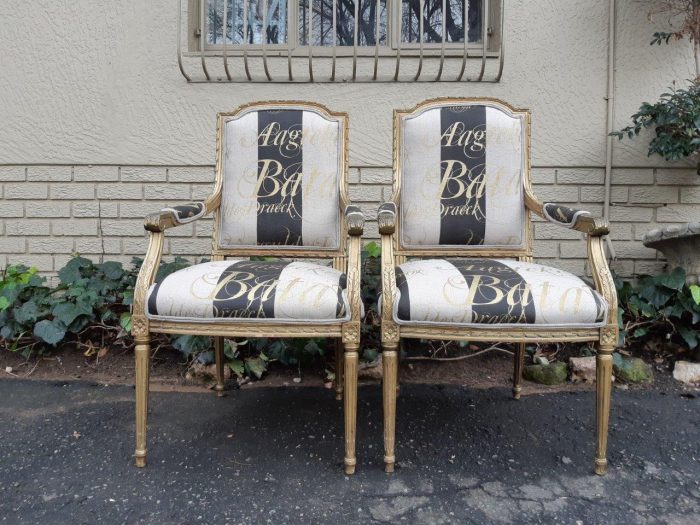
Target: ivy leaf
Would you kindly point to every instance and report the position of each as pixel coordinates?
(236, 366)
(27, 313)
(125, 321)
(694, 293)
(373, 249)
(4, 303)
(67, 312)
(255, 366)
(640, 332)
(51, 332)
(674, 280)
(689, 336)
(71, 273)
(112, 270)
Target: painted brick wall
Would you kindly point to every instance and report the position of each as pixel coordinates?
(48, 213)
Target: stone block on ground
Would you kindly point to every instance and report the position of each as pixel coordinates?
(582, 369)
(687, 372)
(373, 370)
(552, 374)
(632, 369)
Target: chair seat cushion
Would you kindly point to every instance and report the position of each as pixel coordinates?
(241, 290)
(493, 292)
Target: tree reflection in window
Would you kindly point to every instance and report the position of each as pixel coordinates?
(321, 22)
(432, 21)
(244, 21)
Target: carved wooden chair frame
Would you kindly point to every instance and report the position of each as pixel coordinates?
(345, 258)
(393, 254)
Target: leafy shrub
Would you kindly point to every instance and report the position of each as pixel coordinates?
(676, 122)
(90, 307)
(659, 308)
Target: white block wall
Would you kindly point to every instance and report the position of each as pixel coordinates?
(48, 213)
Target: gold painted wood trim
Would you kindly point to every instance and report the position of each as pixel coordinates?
(505, 335)
(222, 118)
(247, 329)
(507, 251)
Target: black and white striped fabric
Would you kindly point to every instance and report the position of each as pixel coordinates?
(251, 290)
(462, 177)
(281, 180)
(493, 292)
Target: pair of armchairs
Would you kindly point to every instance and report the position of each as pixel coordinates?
(461, 192)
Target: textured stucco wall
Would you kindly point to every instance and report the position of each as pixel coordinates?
(99, 127)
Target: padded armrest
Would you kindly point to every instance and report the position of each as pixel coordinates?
(579, 220)
(386, 218)
(175, 216)
(355, 220)
(562, 215)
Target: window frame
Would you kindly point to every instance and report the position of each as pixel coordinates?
(197, 32)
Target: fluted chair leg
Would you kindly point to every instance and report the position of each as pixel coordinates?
(350, 406)
(339, 368)
(389, 385)
(220, 363)
(143, 357)
(518, 363)
(603, 395)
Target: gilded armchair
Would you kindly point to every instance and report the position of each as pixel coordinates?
(280, 191)
(462, 192)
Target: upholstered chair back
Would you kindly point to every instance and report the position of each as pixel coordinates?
(283, 169)
(461, 167)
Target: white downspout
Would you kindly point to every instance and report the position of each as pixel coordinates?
(609, 121)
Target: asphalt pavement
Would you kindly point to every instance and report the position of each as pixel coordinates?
(274, 455)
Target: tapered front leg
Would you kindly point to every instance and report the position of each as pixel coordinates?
(220, 363)
(603, 395)
(143, 358)
(350, 406)
(339, 366)
(390, 363)
(518, 363)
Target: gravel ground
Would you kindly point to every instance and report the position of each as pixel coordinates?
(273, 455)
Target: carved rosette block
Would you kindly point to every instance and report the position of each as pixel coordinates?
(351, 333)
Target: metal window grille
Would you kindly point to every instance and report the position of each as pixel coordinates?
(340, 40)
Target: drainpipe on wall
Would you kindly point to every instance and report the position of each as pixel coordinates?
(610, 105)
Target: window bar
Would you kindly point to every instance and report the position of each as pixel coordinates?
(501, 50)
(245, 39)
(398, 42)
(203, 37)
(223, 47)
(335, 32)
(179, 42)
(421, 6)
(484, 37)
(310, 41)
(289, 40)
(354, 41)
(442, 44)
(264, 38)
(465, 24)
(376, 39)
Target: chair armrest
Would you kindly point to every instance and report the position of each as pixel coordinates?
(355, 220)
(174, 216)
(386, 218)
(579, 220)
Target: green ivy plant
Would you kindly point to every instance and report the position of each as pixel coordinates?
(90, 306)
(660, 307)
(675, 119)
